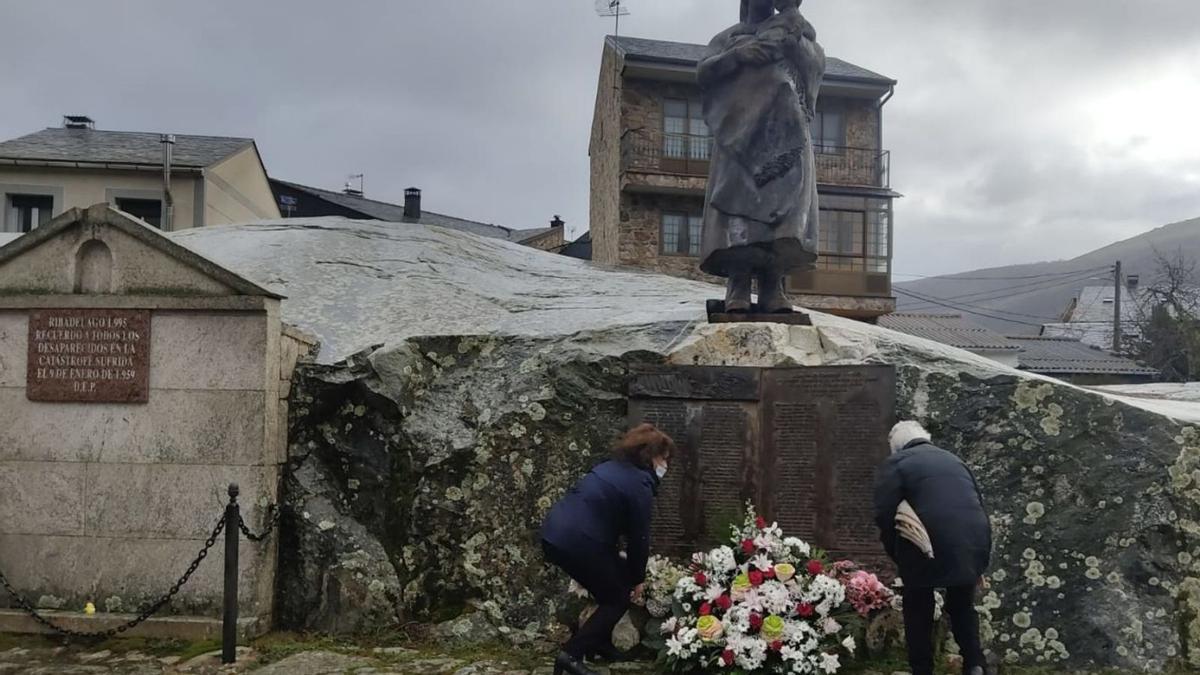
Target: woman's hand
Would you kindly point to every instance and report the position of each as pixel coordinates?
(636, 593)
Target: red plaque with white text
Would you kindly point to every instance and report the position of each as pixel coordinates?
(89, 356)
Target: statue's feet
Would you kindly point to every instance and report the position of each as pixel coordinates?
(737, 294)
(772, 298)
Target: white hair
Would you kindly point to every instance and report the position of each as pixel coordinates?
(906, 432)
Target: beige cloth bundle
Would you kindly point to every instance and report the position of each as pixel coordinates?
(909, 526)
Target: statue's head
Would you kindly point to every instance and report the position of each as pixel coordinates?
(757, 10)
(785, 5)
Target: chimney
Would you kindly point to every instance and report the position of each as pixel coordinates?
(1131, 284)
(412, 204)
(167, 214)
(78, 122)
(557, 221)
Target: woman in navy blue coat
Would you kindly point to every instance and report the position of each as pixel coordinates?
(581, 535)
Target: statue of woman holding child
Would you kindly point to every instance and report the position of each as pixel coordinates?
(760, 81)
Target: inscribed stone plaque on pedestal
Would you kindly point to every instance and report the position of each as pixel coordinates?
(801, 443)
(89, 356)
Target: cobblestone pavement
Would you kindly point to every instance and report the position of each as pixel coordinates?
(380, 661)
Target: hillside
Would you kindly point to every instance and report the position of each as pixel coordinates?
(1017, 296)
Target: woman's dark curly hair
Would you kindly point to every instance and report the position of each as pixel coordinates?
(642, 444)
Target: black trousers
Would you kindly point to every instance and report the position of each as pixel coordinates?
(918, 627)
(603, 574)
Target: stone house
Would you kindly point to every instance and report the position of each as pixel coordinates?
(215, 180)
(303, 201)
(957, 331)
(649, 170)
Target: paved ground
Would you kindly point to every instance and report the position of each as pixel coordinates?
(379, 661)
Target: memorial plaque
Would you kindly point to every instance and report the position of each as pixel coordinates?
(802, 443)
(89, 356)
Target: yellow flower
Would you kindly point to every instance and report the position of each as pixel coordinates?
(772, 628)
(784, 572)
(709, 628)
(89, 609)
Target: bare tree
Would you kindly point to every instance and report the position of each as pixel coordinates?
(1168, 319)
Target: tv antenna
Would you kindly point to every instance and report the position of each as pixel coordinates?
(615, 9)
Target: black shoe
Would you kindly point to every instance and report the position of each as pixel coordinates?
(610, 654)
(565, 663)
(978, 670)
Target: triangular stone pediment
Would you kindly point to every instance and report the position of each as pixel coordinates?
(102, 251)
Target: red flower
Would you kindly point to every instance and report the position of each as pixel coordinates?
(770, 573)
(756, 578)
(705, 609)
(805, 610)
(727, 657)
(748, 546)
(724, 602)
(760, 522)
(700, 579)
(777, 646)
(755, 621)
(815, 567)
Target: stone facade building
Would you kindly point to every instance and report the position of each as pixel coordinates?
(649, 171)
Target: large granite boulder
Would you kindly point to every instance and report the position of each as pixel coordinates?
(463, 385)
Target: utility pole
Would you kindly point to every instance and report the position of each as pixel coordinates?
(1116, 343)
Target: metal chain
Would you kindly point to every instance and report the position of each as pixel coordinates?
(147, 611)
(272, 521)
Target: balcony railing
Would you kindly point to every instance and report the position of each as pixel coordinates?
(688, 155)
(684, 154)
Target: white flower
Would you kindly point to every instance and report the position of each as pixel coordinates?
(761, 562)
(831, 626)
(776, 598)
(713, 592)
(848, 643)
(721, 560)
(829, 663)
(798, 546)
(668, 627)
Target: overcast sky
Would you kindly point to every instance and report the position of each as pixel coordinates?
(1020, 131)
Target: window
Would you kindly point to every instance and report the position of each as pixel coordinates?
(843, 235)
(23, 213)
(149, 210)
(685, 135)
(829, 132)
(681, 234)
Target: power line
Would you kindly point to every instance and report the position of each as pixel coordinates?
(1012, 291)
(949, 277)
(975, 312)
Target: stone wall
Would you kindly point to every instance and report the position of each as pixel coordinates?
(641, 233)
(605, 153)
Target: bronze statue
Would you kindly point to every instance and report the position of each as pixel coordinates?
(760, 81)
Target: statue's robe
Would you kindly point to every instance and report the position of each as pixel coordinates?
(761, 209)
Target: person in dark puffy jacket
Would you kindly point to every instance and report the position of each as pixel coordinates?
(944, 494)
(581, 535)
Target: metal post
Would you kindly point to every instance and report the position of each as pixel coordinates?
(229, 624)
(1116, 342)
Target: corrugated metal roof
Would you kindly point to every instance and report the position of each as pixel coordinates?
(1064, 356)
(119, 147)
(683, 53)
(394, 213)
(948, 329)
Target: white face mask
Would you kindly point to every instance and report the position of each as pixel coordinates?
(660, 471)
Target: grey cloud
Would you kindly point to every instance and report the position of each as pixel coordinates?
(487, 105)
